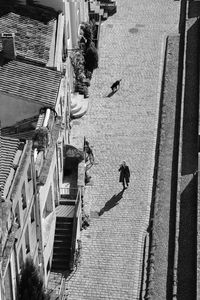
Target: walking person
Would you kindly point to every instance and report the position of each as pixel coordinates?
(89, 152)
(124, 175)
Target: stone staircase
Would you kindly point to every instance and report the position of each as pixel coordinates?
(79, 105)
(63, 238)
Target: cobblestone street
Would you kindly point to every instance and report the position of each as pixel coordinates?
(122, 127)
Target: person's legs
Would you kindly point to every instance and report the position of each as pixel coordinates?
(127, 181)
(123, 183)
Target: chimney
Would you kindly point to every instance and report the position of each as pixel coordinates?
(8, 43)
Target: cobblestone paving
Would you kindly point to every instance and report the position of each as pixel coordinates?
(122, 127)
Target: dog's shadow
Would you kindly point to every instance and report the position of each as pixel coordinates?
(111, 94)
(112, 202)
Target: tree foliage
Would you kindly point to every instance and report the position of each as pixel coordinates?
(77, 61)
(31, 284)
(87, 32)
(91, 58)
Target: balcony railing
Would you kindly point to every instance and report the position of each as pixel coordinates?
(68, 191)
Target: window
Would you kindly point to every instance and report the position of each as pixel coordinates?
(67, 30)
(60, 157)
(20, 258)
(29, 173)
(49, 204)
(61, 106)
(48, 266)
(17, 215)
(27, 240)
(23, 196)
(33, 213)
(55, 185)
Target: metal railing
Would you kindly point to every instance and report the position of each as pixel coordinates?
(76, 227)
(62, 289)
(68, 191)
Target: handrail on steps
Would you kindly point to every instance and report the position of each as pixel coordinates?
(76, 226)
(62, 289)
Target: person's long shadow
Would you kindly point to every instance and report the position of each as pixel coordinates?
(112, 202)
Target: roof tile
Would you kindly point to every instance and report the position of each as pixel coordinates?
(35, 84)
(32, 38)
(8, 149)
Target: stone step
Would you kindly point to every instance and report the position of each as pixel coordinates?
(76, 109)
(64, 213)
(62, 265)
(68, 201)
(65, 238)
(62, 245)
(60, 250)
(64, 225)
(76, 98)
(83, 110)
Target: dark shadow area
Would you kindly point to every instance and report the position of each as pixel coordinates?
(70, 175)
(112, 202)
(188, 243)
(150, 229)
(111, 94)
(194, 9)
(175, 160)
(36, 12)
(182, 18)
(191, 102)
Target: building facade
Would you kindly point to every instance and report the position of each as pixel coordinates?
(35, 92)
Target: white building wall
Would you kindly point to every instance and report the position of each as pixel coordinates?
(25, 214)
(13, 274)
(58, 63)
(73, 22)
(48, 223)
(68, 39)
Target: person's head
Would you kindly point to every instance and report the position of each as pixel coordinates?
(124, 163)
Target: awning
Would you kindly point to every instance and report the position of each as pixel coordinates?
(72, 152)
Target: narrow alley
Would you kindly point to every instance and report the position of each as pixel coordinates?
(122, 127)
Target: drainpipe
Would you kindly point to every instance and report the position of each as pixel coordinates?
(1, 233)
(58, 175)
(38, 217)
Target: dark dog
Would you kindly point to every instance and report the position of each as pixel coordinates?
(115, 86)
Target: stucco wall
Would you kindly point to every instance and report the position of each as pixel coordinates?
(48, 223)
(15, 109)
(68, 41)
(24, 215)
(58, 63)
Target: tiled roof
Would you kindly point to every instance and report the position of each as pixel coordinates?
(32, 38)
(33, 83)
(8, 149)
